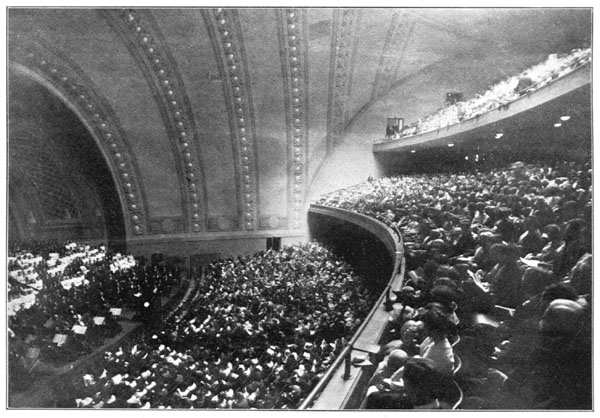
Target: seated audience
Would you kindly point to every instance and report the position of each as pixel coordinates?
(499, 95)
(258, 333)
(425, 387)
(435, 346)
(505, 282)
(386, 384)
(505, 277)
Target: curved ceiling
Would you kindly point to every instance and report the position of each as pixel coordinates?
(56, 174)
(228, 120)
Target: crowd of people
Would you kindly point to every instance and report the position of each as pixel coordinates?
(500, 94)
(259, 332)
(64, 305)
(496, 300)
(503, 259)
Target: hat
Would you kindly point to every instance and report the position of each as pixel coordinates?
(562, 316)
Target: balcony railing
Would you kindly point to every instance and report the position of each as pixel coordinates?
(340, 388)
(578, 77)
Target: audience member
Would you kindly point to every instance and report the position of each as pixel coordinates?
(499, 95)
(503, 281)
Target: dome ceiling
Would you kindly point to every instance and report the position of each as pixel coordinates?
(225, 121)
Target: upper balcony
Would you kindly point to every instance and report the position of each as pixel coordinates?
(535, 112)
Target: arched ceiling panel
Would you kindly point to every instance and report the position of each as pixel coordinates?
(93, 45)
(293, 45)
(145, 42)
(190, 43)
(229, 49)
(264, 55)
(320, 27)
(64, 79)
(372, 36)
(346, 24)
(56, 171)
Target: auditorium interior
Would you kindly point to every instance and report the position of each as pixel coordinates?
(314, 209)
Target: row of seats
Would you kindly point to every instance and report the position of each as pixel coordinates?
(507, 256)
(418, 372)
(259, 333)
(500, 94)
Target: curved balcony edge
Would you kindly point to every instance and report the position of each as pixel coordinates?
(568, 83)
(375, 227)
(336, 390)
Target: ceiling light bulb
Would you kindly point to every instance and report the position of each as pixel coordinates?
(413, 151)
(499, 135)
(565, 118)
(450, 145)
(557, 125)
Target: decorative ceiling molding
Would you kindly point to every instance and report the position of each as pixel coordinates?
(228, 45)
(343, 46)
(292, 28)
(146, 44)
(63, 77)
(398, 36)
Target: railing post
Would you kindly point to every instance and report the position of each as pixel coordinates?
(346, 354)
(388, 300)
(348, 364)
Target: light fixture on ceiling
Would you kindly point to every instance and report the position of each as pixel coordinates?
(557, 125)
(467, 157)
(412, 151)
(565, 118)
(499, 135)
(450, 145)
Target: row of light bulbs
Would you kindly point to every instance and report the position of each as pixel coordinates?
(556, 125)
(563, 119)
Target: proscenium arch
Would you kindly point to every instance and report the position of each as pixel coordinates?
(131, 211)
